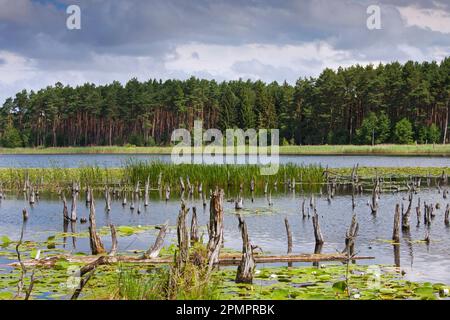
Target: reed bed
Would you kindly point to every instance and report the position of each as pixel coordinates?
(220, 175)
(133, 171)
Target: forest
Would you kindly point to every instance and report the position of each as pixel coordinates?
(388, 103)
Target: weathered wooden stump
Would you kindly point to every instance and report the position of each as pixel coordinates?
(317, 232)
(182, 238)
(153, 251)
(289, 235)
(215, 228)
(396, 231)
(94, 239)
(350, 236)
(194, 226)
(247, 265)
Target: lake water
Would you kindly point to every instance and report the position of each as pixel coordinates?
(265, 225)
(116, 160)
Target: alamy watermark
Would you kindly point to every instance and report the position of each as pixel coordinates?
(373, 22)
(73, 21)
(230, 149)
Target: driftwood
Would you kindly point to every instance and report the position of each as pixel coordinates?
(94, 239)
(215, 228)
(396, 231)
(289, 235)
(247, 265)
(153, 252)
(225, 259)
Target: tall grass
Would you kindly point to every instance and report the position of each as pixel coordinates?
(219, 175)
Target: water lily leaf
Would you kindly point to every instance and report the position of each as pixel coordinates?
(6, 295)
(5, 241)
(340, 286)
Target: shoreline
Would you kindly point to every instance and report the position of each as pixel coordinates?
(322, 150)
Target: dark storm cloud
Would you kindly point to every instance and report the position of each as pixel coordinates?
(156, 29)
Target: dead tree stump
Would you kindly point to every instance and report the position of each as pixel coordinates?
(182, 238)
(153, 252)
(350, 237)
(246, 267)
(375, 191)
(215, 227)
(289, 236)
(94, 239)
(65, 210)
(317, 232)
(407, 213)
(73, 209)
(396, 231)
(147, 186)
(113, 251)
(447, 212)
(194, 226)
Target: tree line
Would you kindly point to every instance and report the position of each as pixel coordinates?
(387, 103)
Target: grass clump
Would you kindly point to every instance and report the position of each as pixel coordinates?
(191, 282)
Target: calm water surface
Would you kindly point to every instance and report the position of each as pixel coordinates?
(116, 160)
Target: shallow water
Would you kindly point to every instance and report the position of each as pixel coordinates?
(116, 160)
(266, 227)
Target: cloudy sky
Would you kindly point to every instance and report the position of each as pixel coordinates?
(258, 39)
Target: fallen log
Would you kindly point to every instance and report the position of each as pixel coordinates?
(224, 259)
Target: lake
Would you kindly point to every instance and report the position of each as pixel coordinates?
(116, 160)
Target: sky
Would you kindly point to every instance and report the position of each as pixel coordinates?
(271, 40)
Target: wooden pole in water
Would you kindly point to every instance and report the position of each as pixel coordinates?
(247, 265)
(289, 236)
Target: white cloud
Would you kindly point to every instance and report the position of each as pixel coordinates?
(432, 19)
(221, 60)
